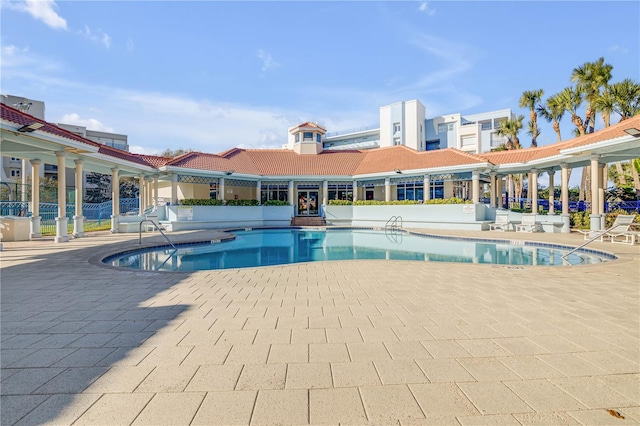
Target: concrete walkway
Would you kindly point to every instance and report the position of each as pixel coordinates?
(352, 342)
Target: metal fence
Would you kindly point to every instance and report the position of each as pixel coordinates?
(576, 206)
(97, 215)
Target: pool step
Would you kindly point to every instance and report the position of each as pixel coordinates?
(308, 221)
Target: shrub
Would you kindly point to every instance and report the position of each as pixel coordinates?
(242, 202)
(340, 202)
(453, 200)
(276, 203)
(201, 202)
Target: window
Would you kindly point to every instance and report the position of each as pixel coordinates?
(432, 145)
(396, 128)
(396, 141)
(15, 173)
(469, 141)
(318, 137)
(497, 121)
(437, 189)
(410, 191)
(485, 125)
(307, 136)
(15, 159)
(340, 191)
(213, 190)
(445, 127)
(274, 191)
(297, 137)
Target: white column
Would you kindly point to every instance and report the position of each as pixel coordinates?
(595, 186)
(492, 190)
(259, 191)
(499, 192)
(141, 195)
(564, 197)
(23, 175)
(155, 191)
(354, 190)
(61, 221)
(115, 199)
(551, 192)
(533, 190)
(602, 183)
(475, 188)
(426, 183)
(292, 196)
(148, 180)
(174, 189)
(325, 193)
(78, 218)
(35, 199)
(221, 189)
(387, 189)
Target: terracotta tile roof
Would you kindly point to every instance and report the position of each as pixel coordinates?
(209, 162)
(531, 154)
(401, 157)
(22, 119)
(309, 124)
(285, 162)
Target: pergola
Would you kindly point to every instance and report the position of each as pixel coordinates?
(26, 137)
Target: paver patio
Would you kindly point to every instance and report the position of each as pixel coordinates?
(351, 342)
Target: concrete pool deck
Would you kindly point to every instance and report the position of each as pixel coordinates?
(350, 342)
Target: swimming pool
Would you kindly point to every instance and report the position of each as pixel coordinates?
(268, 247)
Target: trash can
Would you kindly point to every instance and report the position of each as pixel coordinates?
(15, 228)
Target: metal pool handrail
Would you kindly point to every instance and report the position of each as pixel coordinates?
(158, 228)
(598, 235)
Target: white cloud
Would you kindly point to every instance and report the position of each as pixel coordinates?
(129, 46)
(97, 36)
(424, 7)
(618, 48)
(89, 123)
(267, 61)
(41, 10)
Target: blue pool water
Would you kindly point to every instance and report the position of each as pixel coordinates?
(284, 246)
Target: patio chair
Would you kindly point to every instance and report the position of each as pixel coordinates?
(502, 221)
(528, 223)
(621, 230)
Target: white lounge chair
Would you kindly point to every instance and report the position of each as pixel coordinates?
(621, 230)
(528, 223)
(502, 221)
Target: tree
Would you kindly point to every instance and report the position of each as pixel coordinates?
(529, 99)
(172, 153)
(590, 78)
(99, 188)
(626, 98)
(553, 111)
(571, 98)
(509, 128)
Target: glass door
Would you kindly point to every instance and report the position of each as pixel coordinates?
(308, 203)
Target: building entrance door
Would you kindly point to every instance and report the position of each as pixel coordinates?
(307, 203)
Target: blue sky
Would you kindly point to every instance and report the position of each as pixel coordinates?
(211, 75)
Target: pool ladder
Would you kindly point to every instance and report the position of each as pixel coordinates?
(158, 228)
(392, 224)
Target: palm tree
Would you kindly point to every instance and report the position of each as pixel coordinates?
(509, 128)
(553, 111)
(626, 98)
(590, 78)
(529, 99)
(571, 99)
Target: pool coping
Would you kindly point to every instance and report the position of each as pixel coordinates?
(227, 235)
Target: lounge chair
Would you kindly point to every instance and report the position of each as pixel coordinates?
(621, 231)
(502, 221)
(528, 223)
(621, 227)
